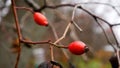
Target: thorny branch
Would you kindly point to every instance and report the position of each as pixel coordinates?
(96, 18)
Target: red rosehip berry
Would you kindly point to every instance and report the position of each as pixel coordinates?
(77, 47)
(40, 19)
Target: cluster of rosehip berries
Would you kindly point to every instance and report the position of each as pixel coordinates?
(76, 47)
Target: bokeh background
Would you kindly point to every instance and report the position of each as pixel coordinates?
(92, 35)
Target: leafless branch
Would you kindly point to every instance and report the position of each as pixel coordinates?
(95, 17)
(56, 37)
(106, 4)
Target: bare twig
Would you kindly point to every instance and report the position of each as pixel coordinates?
(43, 42)
(106, 4)
(24, 8)
(60, 46)
(18, 32)
(95, 17)
(16, 20)
(56, 37)
(73, 16)
(107, 38)
(51, 53)
(117, 43)
(64, 34)
(18, 57)
(76, 25)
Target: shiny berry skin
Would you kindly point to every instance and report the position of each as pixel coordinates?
(77, 47)
(40, 19)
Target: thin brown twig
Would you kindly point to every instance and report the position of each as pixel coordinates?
(18, 32)
(16, 20)
(51, 53)
(26, 8)
(18, 57)
(33, 42)
(60, 46)
(43, 42)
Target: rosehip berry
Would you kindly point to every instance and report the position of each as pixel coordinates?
(40, 19)
(77, 47)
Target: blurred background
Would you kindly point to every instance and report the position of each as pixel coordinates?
(100, 50)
